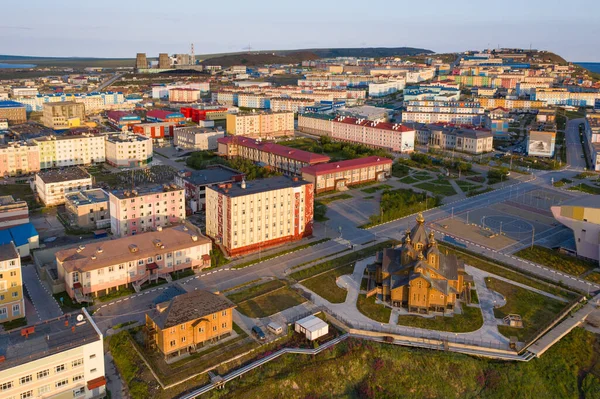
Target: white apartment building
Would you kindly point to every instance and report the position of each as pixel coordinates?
(290, 104)
(93, 102)
(197, 138)
(249, 216)
(61, 151)
(184, 95)
(162, 92)
(128, 150)
(251, 100)
(391, 136)
(52, 185)
(565, 97)
(135, 211)
(380, 89)
(58, 358)
(462, 113)
(18, 92)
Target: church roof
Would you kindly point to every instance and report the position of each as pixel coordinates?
(418, 234)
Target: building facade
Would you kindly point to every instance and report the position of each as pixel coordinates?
(93, 102)
(19, 158)
(261, 124)
(582, 215)
(316, 123)
(197, 138)
(88, 209)
(133, 212)
(156, 131)
(472, 141)
(184, 95)
(52, 185)
(462, 113)
(14, 112)
(13, 213)
(12, 303)
(195, 183)
(248, 217)
(121, 119)
(70, 150)
(128, 150)
(159, 115)
(390, 136)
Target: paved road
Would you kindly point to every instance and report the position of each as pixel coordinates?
(44, 303)
(574, 149)
(107, 83)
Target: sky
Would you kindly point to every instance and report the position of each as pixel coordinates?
(120, 29)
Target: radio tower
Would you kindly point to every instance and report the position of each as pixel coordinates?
(192, 55)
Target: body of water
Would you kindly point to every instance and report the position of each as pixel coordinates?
(15, 66)
(592, 66)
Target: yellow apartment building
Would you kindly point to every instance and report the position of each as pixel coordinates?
(12, 305)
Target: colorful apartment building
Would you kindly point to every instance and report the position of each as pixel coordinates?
(340, 175)
(159, 115)
(63, 115)
(19, 158)
(52, 185)
(390, 136)
(198, 114)
(135, 211)
(559, 96)
(93, 102)
(128, 150)
(12, 303)
(57, 358)
(188, 322)
(98, 268)
(88, 209)
(491, 103)
(70, 150)
(290, 104)
(251, 100)
(261, 124)
(455, 112)
(184, 95)
(250, 216)
(277, 157)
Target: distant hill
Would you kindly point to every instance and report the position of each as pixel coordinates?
(375, 52)
(262, 58)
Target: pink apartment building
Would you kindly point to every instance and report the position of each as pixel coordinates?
(19, 158)
(136, 211)
(96, 269)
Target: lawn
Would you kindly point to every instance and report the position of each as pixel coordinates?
(66, 303)
(338, 197)
(470, 320)
(20, 192)
(398, 203)
(439, 187)
(325, 284)
(255, 290)
(585, 188)
(556, 260)
(270, 303)
(372, 190)
(284, 252)
(422, 176)
(335, 150)
(562, 182)
(466, 185)
(116, 294)
(13, 324)
(408, 180)
(594, 277)
(535, 309)
(400, 170)
(372, 310)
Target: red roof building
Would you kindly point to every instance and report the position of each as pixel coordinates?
(339, 175)
(390, 136)
(275, 156)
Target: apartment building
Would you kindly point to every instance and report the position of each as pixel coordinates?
(128, 150)
(17, 92)
(57, 358)
(559, 96)
(12, 304)
(316, 123)
(19, 158)
(52, 185)
(184, 95)
(14, 112)
(491, 103)
(63, 115)
(135, 211)
(88, 209)
(70, 150)
(207, 113)
(197, 138)
(381, 89)
(96, 269)
(339, 175)
(92, 102)
(13, 213)
(188, 322)
(195, 183)
(390, 136)
(290, 104)
(261, 124)
(374, 114)
(162, 92)
(250, 216)
(278, 157)
(251, 100)
(592, 138)
(431, 93)
(470, 140)
(461, 113)
(24, 236)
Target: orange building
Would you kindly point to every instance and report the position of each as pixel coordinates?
(188, 322)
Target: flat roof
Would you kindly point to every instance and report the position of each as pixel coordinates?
(126, 138)
(87, 197)
(260, 186)
(11, 104)
(145, 190)
(208, 176)
(47, 338)
(8, 251)
(66, 174)
(345, 165)
(312, 323)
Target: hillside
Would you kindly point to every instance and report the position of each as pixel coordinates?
(251, 59)
(374, 52)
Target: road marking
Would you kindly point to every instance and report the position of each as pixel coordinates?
(119, 301)
(103, 306)
(126, 299)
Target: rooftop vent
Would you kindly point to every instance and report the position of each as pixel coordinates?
(133, 248)
(158, 228)
(93, 257)
(194, 238)
(99, 250)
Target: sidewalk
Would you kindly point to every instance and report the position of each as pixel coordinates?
(43, 301)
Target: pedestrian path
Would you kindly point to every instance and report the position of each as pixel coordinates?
(44, 303)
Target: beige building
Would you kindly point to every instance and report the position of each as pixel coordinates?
(12, 213)
(52, 185)
(128, 150)
(13, 111)
(247, 217)
(70, 150)
(291, 104)
(58, 358)
(63, 115)
(472, 141)
(19, 158)
(318, 124)
(197, 138)
(261, 124)
(184, 95)
(12, 304)
(88, 209)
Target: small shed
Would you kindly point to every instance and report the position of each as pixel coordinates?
(312, 327)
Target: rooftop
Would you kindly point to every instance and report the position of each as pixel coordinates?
(345, 165)
(47, 338)
(377, 125)
(146, 190)
(162, 114)
(189, 307)
(87, 197)
(101, 254)
(126, 138)
(61, 175)
(19, 234)
(213, 175)
(8, 251)
(197, 130)
(259, 186)
(10, 104)
(275, 149)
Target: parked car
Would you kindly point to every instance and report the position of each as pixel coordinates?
(258, 333)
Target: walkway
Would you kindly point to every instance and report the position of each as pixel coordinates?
(44, 303)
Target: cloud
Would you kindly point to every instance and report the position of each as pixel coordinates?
(16, 27)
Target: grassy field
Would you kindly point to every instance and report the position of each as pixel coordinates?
(556, 260)
(20, 192)
(408, 180)
(265, 299)
(398, 203)
(535, 309)
(284, 252)
(585, 188)
(421, 176)
(594, 277)
(325, 284)
(360, 369)
(470, 320)
(372, 190)
(338, 197)
(439, 187)
(255, 290)
(466, 185)
(372, 310)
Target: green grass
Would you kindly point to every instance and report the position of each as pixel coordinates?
(400, 170)
(182, 274)
(125, 324)
(437, 188)
(372, 310)
(147, 285)
(341, 261)
(270, 303)
(477, 192)
(562, 182)
(584, 175)
(129, 365)
(585, 188)
(398, 203)
(535, 309)
(422, 176)
(594, 277)
(470, 320)
(556, 260)
(474, 297)
(466, 185)
(408, 180)
(325, 284)
(287, 251)
(20, 192)
(16, 323)
(338, 197)
(116, 294)
(66, 303)
(255, 290)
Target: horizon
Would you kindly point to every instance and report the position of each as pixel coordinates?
(98, 31)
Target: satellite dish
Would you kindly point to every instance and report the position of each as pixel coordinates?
(80, 317)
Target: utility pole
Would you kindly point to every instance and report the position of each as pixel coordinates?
(532, 235)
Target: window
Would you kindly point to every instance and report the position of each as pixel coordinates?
(25, 380)
(61, 383)
(158, 257)
(93, 356)
(93, 370)
(43, 374)
(76, 363)
(201, 330)
(77, 377)
(214, 328)
(6, 386)
(182, 339)
(59, 368)
(223, 325)
(43, 389)
(214, 316)
(183, 326)
(224, 313)
(172, 343)
(27, 394)
(79, 391)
